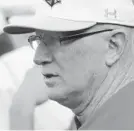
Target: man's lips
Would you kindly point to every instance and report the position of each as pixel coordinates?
(51, 79)
(50, 75)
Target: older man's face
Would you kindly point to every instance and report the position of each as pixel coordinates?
(69, 68)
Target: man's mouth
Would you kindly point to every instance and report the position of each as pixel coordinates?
(51, 79)
(49, 75)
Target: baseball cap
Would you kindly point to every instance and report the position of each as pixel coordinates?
(72, 15)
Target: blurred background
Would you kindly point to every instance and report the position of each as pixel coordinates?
(12, 15)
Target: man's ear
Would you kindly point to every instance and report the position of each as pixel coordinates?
(117, 42)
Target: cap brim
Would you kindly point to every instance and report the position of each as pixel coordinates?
(47, 24)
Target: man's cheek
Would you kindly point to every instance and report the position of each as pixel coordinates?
(77, 80)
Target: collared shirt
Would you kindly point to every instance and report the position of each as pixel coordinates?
(115, 114)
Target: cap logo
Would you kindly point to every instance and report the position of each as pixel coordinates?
(53, 2)
(111, 13)
(133, 2)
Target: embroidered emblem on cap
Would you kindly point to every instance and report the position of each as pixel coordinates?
(111, 13)
(53, 2)
(133, 2)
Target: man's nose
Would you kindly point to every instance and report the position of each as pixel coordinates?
(42, 55)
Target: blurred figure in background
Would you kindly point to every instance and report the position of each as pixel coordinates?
(6, 44)
(50, 115)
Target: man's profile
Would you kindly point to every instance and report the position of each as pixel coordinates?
(85, 55)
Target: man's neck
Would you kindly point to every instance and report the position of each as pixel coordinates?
(115, 80)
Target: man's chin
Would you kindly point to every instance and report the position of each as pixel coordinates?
(59, 94)
(58, 97)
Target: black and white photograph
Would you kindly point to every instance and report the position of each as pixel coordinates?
(66, 65)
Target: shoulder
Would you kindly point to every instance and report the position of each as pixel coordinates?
(117, 112)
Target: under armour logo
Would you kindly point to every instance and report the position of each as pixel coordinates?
(133, 2)
(111, 14)
(53, 2)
